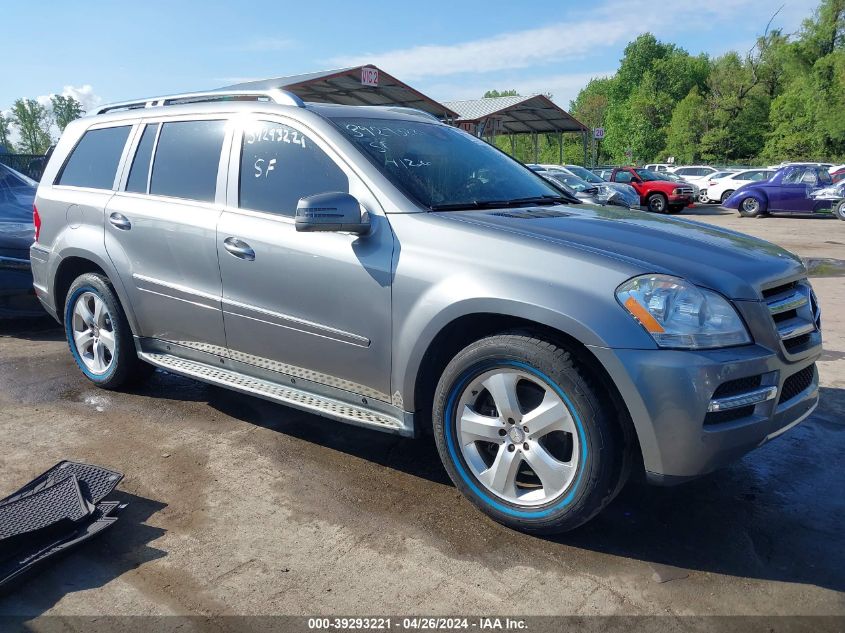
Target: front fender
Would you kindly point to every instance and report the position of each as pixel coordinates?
(416, 333)
(742, 193)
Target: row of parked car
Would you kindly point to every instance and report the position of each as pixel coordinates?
(753, 192)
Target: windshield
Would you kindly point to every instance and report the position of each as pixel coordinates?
(442, 167)
(647, 175)
(574, 182)
(585, 174)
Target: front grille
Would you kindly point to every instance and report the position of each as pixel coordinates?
(720, 417)
(771, 292)
(797, 383)
(794, 312)
(740, 385)
(684, 191)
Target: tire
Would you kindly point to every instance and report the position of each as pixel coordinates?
(726, 195)
(750, 208)
(105, 351)
(839, 209)
(657, 203)
(538, 372)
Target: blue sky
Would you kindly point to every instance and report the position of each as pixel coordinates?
(109, 51)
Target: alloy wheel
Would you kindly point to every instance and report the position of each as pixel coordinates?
(93, 333)
(517, 437)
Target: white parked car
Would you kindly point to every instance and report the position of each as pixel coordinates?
(710, 181)
(696, 174)
(659, 167)
(721, 189)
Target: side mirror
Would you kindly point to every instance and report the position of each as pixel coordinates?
(636, 180)
(334, 212)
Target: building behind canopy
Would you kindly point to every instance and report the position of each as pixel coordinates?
(486, 118)
(535, 114)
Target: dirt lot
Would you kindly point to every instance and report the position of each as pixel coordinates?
(239, 506)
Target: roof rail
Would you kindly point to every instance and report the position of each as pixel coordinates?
(282, 97)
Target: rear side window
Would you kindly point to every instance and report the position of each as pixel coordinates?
(186, 160)
(280, 165)
(93, 162)
(141, 165)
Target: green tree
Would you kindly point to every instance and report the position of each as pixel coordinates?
(65, 110)
(32, 121)
(503, 93)
(652, 78)
(690, 120)
(5, 132)
(806, 119)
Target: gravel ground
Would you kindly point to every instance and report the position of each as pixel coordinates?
(239, 506)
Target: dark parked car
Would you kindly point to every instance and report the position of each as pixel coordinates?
(790, 190)
(17, 232)
(581, 189)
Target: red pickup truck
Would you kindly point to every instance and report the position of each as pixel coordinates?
(656, 194)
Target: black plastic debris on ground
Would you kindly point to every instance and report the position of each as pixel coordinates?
(56, 511)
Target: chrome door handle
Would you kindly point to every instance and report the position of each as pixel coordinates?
(120, 221)
(239, 248)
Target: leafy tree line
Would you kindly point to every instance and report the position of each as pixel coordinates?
(782, 100)
(35, 122)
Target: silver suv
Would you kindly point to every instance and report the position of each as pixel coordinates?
(375, 266)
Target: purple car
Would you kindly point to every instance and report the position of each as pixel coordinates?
(788, 191)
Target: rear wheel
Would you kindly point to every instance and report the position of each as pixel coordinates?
(99, 335)
(657, 203)
(750, 208)
(525, 436)
(839, 210)
(726, 195)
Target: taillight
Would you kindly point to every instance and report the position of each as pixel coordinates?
(36, 220)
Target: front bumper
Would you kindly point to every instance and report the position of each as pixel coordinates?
(684, 200)
(668, 393)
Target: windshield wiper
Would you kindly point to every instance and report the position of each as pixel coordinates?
(501, 204)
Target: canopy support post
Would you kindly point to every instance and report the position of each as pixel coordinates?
(536, 147)
(560, 148)
(584, 139)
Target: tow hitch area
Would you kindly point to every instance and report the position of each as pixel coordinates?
(54, 512)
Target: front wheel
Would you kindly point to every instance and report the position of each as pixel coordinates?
(99, 335)
(524, 435)
(657, 203)
(750, 208)
(839, 210)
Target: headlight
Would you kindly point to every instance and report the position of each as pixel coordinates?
(681, 315)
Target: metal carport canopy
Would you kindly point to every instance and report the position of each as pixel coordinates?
(517, 115)
(357, 85)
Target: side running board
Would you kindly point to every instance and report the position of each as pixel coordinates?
(291, 396)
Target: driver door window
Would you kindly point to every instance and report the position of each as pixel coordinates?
(280, 165)
(623, 176)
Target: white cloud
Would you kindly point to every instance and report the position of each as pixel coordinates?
(613, 23)
(501, 52)
(84, 94)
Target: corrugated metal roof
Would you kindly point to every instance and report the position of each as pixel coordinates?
(344, 86)
(519, 115)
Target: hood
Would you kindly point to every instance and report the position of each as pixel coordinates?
(731, 263)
